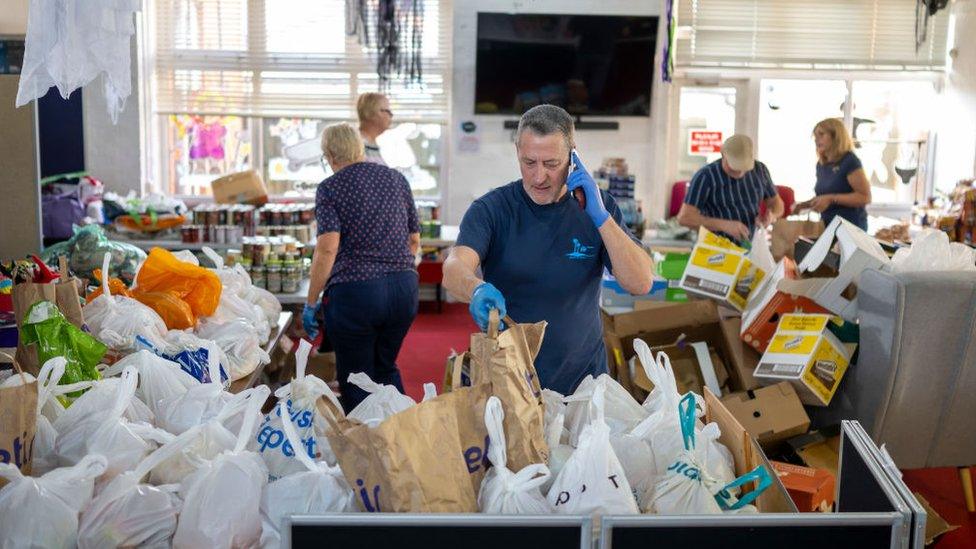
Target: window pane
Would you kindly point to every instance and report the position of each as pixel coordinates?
(415, 151)
(703, 108)
(892, 122)
(788, 111)
(305, 26)
(202, 148)
(218, 25)
(293, 155)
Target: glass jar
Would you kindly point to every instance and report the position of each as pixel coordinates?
(258, 277)
(290, 278)
(274, 278)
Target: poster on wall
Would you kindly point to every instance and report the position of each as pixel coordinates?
(704, 142)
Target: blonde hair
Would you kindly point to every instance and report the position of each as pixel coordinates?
(841, 142)
(342, 143)
(368, 105)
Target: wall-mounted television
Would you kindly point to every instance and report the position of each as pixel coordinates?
(600, 65)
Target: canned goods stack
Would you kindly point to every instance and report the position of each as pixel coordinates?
(220, 224)
(277, 263)
(294, 220)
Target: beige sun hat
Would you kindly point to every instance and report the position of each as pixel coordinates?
(738, 152)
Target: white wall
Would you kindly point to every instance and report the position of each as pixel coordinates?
(956, 148)
(472, 174)
(13, 17)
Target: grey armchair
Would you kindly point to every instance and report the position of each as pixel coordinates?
(914, 386)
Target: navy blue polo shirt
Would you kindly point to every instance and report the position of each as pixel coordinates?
(371, 207)
(718, 195)
(832, 179)
(548, 261)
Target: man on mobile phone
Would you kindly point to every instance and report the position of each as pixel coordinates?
(724, 196)
(542, 252)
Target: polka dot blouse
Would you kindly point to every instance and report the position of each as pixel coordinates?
(371, 207)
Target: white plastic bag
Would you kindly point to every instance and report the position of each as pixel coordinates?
(383, 401)
(759, 253)
(45, 458)
(555, 418)
(117, 320)
(189, 351)
(127, 513)
(318, 489)
(622, 414)
(232, 305)
(199, 403)
(593, 481)
(221, 499)
(932, 251)
(239, 341)
(502, 491)
(662, 429)
(43, 511)
(300, 397)
(159, 379)
(637, 460)
(688, 488)
(105, 432)
(214, 438)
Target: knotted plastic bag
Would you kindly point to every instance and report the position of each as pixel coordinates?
(43, 511)
(46, 326)
(159, 379)
(317, 489)
(45, 458)
(239, 342)
(235, 479)
(383, 400)
(182, 411)
(592, 480)
(504, 492)
(623, 413)
(118, 320)
(300, 398)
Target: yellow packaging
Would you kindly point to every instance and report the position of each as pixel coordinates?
(721, 270)
(804, 352)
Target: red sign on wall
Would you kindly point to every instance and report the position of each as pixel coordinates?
(704, 142)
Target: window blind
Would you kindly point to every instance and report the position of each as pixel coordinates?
(285, 58)
(807, 33)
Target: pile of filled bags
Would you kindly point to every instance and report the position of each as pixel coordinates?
(175, 307)
(151, 456)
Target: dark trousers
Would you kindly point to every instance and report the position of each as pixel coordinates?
(366, 322)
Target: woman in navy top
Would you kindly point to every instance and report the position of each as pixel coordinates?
(368, 236)
(842, 187)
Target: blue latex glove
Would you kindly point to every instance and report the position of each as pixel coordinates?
(485, 298)
(579, 178)
(309, 322)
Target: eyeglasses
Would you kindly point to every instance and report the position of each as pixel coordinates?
(387, 111)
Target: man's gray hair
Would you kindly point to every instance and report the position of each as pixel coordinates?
(547, 120)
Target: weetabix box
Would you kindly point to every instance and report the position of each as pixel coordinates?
(721, 270)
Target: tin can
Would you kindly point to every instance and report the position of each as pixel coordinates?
(219, 233)
(274, 278)
(291, 277)
(258, 277)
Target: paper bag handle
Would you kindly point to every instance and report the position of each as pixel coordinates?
(456, 371)
(493, 321)
(63, 267)
(16, 366)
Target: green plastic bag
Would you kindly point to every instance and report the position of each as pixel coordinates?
(55, 336)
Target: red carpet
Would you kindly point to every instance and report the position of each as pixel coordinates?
(429, 342)
(433, 335)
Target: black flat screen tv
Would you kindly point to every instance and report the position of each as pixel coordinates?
(599, 65)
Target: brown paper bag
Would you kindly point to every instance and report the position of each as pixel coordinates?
(506, 362)
(787, 231)
(469, 405)
(63, 293)
(18, 421)
(410, 463)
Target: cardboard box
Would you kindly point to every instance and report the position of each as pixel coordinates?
(744, 358)
(935, 525)
(819, 449)
(770, 414)
(858, 253)
(805, 353)
(240, 188)
(810, 489)
(720, 270)
(772, 300)
(696, 320)
(695, 365)
(747, 455)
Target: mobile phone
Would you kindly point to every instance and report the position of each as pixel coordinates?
(578, 194)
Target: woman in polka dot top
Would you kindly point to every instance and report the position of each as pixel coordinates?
(368, 236)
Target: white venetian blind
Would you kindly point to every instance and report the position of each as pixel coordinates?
(285, 58)
(817, 33)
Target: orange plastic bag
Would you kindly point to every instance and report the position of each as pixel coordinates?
(175, 312)
(115, 286)
(198, 287)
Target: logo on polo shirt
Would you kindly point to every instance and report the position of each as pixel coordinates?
(581, 251)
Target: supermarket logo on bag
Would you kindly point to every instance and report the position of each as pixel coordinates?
(682, 468)
(580, 251)
(476, 457)
(564, 497)
(20, 454)
(371, 506)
